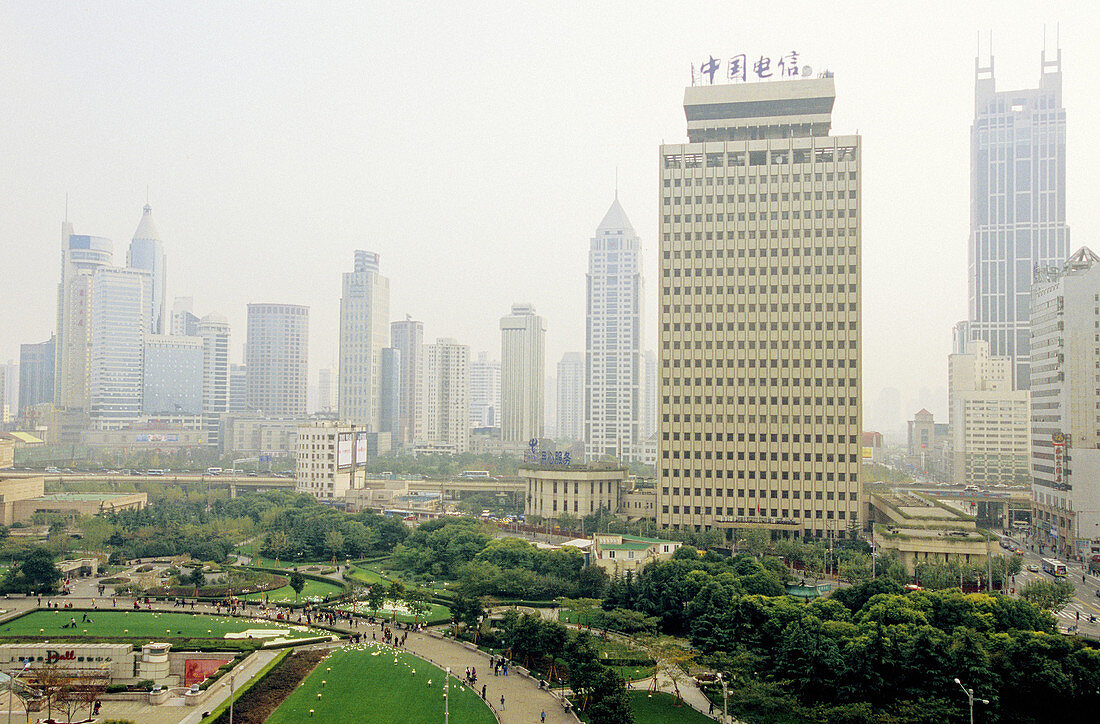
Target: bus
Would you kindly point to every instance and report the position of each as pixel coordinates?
(156, 471)
(1053, 567)
(474, 474)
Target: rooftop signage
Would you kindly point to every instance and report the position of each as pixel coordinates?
(742, 69)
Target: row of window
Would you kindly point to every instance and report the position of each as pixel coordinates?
(775, 512)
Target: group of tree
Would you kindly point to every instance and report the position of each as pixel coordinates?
(307, 531)
(464, 550)
(36, 574)
(869, 652)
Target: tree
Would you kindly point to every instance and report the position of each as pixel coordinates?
(37, 574)
(1048, 596)
(197, 578)
(334, 542)
(297, 582)
(592, 582)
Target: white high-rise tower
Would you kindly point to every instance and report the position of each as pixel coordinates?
(522, 374)
(147, 254)
(81, 255)
(364, 333)
(614, 387)
(570, 396)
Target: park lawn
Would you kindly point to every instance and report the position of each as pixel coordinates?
(362, 684)
(660, 708)
(365, 576)
(148, 625)
(286, 594)
(634, 673)
(437, 612)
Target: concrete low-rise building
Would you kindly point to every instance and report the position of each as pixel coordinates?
(639, 503)
(578, 490)
(21, 496)
(921, 530)
(618, 554)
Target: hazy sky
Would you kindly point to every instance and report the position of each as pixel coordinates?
(475, 147)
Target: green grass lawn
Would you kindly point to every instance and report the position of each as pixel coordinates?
(286, 593)
(660, 708)
(148, 625)
(364, 685)
(365, 576)
(436, 613)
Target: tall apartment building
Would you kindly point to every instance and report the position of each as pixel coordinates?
(364, 332)
(484, 391)
(238, 388)
(1065, 406)
(119, 305)
(1017, 207)
(326, 390)
(570, 396)
(213, 330)
(988, 420)
(323, 461)
(389, 392)
(172, 375)
(614, 365)
(649, 416)
(81, 255)
(277, 356)
(445, 404)
(760, 354)
(407, 336)
(36, 373)
(183, 319)
(522, 373)
(147, 253)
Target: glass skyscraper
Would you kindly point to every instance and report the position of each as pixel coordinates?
(1018, 206)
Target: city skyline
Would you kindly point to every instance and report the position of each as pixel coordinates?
(216, 228)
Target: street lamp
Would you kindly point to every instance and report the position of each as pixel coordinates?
(231, 699)
(725, 698)
(446, 699)
(970, 698)
(11, 682)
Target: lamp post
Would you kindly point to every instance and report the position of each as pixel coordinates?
(231, 699)
(970, 698)
(446, 699)
(11, 682)
(725, 698)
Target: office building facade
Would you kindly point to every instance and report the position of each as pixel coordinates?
(364, 333)
(147, 254)
(570, 396)
(1065, 406)
(36, 373)
(213, 330)
(445, 426)
(614, 365)
(484, 392)
(1018, 206)
(172, 375)
(81, 255)
(522, 375)
(276, 359)
(760, 356)
(118, 324)
(407, 337)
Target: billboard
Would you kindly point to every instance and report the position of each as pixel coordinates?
(361, 448)
(343, 450)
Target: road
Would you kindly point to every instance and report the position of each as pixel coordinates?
(1085, 601)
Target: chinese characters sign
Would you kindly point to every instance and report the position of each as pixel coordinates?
(535, 456)
(742, 68)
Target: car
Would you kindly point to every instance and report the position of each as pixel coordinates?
(1033, 568)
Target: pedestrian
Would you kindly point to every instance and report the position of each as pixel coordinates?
(502, 702)
(542, 716)
(483, 687)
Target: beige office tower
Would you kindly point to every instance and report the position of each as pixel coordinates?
(988, 420)
(759, 419)
(364, 333)
(445, 426)
(1065, 406)
(522, 374)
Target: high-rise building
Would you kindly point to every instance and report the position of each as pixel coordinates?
(213, 329)
(172, 378)
(988, 420)
(184, 320)
(760, 416)
(650, 416)
(277, 357)
(364, 320)
(445, 424)
(407, 336)
(81, 255)
(119, 305)
(1065, 398)
(36, 371)
(238, 388)
(147, 253)
(389, 392)
(522, 369)
(570, 396)
(614, 368)
(1017, 206)
(326, 390)
(484, 392)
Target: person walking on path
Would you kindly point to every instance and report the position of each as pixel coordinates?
(543, 717)
(502, 702)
